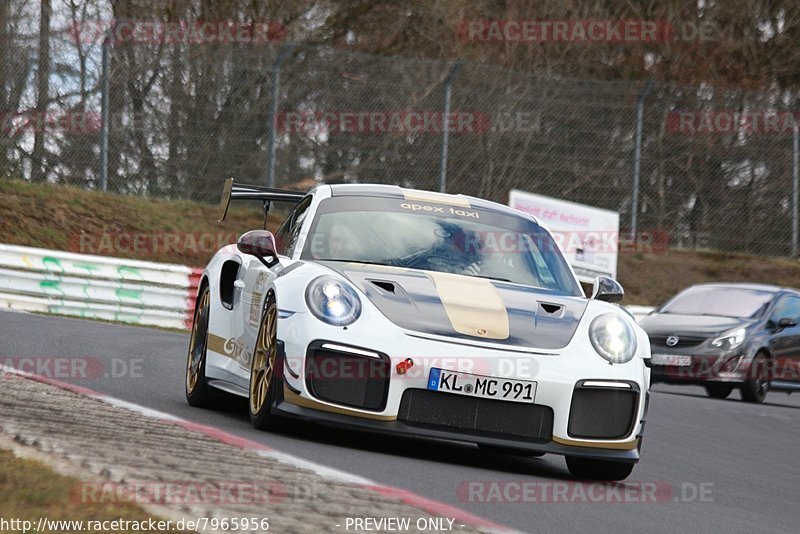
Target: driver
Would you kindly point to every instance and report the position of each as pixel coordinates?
(473, 255)
(462, 250)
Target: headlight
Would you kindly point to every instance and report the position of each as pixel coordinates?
(613, 338)
(333, 301)
(730, 339)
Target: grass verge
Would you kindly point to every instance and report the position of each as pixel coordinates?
(29, 490)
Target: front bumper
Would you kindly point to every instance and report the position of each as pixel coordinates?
(289, 405)
(557, 374)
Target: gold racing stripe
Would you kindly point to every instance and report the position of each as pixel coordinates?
(436, 198)
(473, 305)
(293, 398)
(620, 446)
(217, 344)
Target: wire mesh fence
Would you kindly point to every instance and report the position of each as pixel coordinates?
(710, 168)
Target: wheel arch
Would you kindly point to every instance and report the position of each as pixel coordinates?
(204, 282)
(759, 350)
(272, 289)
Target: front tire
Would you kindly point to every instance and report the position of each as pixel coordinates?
(718, 391)
(589, 469)
(757, 385)
(195, 384)
(262, 369)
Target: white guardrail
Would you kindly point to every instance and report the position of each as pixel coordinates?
(97, 287)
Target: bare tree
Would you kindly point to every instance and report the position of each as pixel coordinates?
(38, 169)
(15, 65)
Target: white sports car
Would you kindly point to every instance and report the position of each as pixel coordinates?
(394, 310)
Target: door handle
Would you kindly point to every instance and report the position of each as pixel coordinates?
(238, 284)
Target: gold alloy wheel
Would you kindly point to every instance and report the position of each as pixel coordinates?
(264, 360)
(197, 346)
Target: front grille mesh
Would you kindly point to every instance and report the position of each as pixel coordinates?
(599, 413)
(348, 379)
(657, 340)
(481, 417)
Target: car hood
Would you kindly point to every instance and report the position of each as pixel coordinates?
(670, 323)
(467, 307)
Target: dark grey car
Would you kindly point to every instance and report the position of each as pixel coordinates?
(725, 336)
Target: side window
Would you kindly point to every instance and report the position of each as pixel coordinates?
(540, 265)
(286, 236)
(786, 307)
(281, 234)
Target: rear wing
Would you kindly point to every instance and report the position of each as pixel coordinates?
(267, 195)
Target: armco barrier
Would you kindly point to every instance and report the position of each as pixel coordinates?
(97, 287)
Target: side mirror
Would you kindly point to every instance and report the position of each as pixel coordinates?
(607, 289)
(786, 322)
(261, 244)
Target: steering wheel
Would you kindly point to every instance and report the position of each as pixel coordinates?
(410, 259)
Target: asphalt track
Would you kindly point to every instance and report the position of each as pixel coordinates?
(720, 466)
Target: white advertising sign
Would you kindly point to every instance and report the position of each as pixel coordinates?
(588, 236)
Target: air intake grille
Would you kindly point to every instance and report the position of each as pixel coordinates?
(348, 379)
(482, 417)
(600, 413)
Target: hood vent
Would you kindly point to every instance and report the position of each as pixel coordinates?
(383, 285)
(550, 310)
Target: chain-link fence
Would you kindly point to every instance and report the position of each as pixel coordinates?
(710, 168)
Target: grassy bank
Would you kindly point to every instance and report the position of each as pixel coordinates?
(68, 218)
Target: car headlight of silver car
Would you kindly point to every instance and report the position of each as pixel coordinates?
(730, 339)
(333, 301)
(613, 338)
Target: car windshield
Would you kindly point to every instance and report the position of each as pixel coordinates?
(436, 237)
(719, 301)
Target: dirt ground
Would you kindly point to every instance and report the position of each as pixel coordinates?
(650, 279)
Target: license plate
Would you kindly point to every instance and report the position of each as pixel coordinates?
(485, 387)
(673, 360)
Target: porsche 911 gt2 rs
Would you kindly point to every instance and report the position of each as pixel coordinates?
(402, 311)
